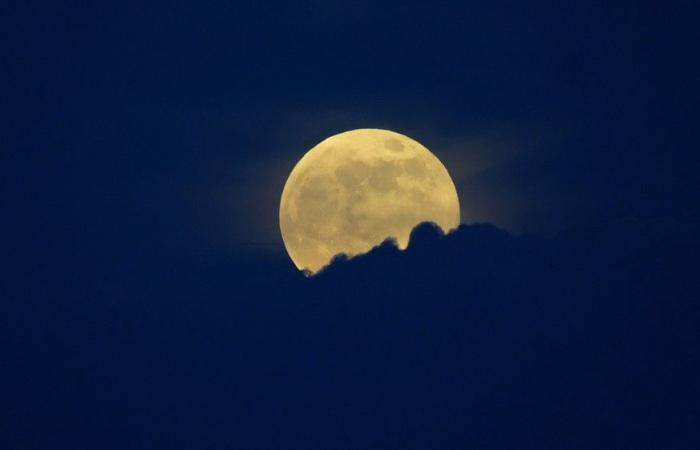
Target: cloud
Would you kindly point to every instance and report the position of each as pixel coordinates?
(427, 241)
(473, 339)
(482, 337)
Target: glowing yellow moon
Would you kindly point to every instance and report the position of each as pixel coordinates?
(355, 189)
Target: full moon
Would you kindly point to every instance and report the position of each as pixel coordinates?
(355, 189)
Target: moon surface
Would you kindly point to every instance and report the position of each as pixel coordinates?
(355, 189)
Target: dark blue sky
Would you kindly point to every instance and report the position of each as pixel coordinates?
(145, 146)
(178, 122)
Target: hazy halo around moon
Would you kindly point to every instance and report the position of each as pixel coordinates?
(355, 189)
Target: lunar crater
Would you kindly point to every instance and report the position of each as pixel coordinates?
(394, 145)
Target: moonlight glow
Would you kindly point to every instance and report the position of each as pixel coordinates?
(355, 189)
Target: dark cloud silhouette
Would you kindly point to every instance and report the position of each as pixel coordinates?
(474, 339)
(483, 339)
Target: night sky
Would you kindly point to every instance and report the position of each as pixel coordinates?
(147, 300)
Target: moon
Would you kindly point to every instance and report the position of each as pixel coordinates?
(355, 189)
